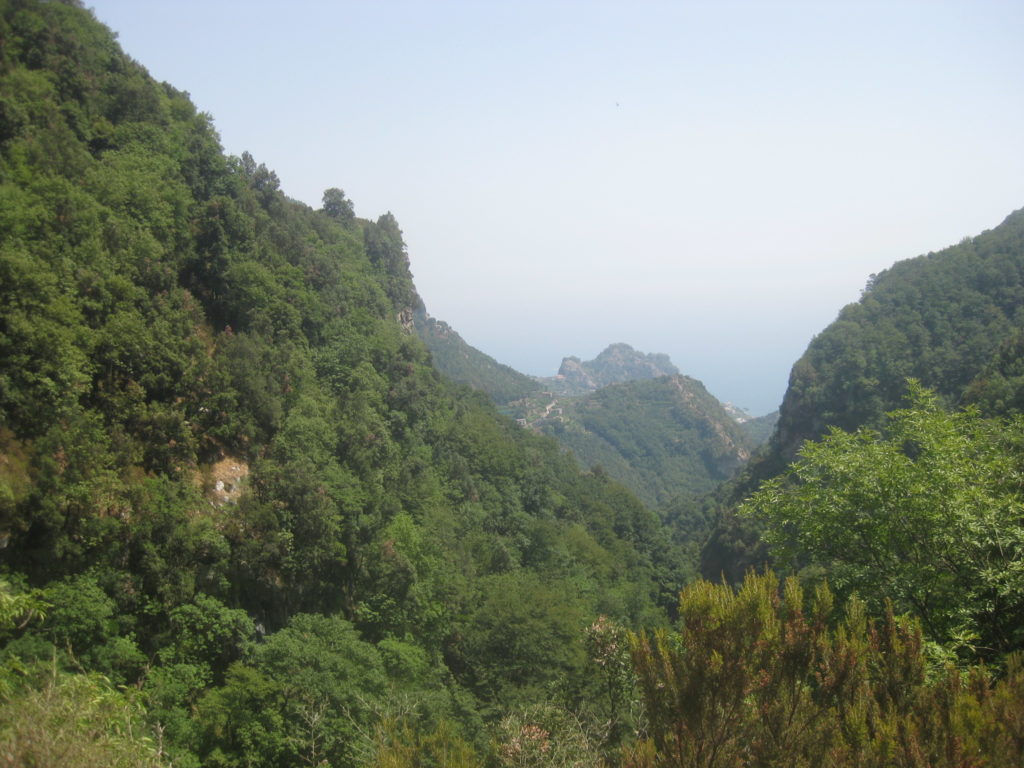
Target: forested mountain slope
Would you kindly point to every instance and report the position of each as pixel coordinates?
(229, 469)
(661, 437)
(759, 429)
(466, 364)
(952, 320)
(940, 318)
(633, 415)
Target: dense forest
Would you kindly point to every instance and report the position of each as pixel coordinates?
(467, 365)
(943, 318)
(230, 472)
(245, 522)
(625, 413)
(951, 320)
(661, 437)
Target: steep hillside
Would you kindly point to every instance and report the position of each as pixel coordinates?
(940, 318)
(466, 364)
(660, 437)
(632, 414)
(952, 320)
(999, 388)
(228, 467)
(759, 429)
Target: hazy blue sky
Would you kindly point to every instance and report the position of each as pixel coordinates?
(713, 180)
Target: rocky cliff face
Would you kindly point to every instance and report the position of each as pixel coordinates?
(616, 364)
(574, 375)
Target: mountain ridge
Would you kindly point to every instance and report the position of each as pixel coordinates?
(662, 437)
(615, 364)
(245, 521)
(601, 411)
(465, 364)
(950, 319)
(229, 472)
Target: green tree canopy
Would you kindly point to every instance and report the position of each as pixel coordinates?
(337, 206)
(928, 513)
